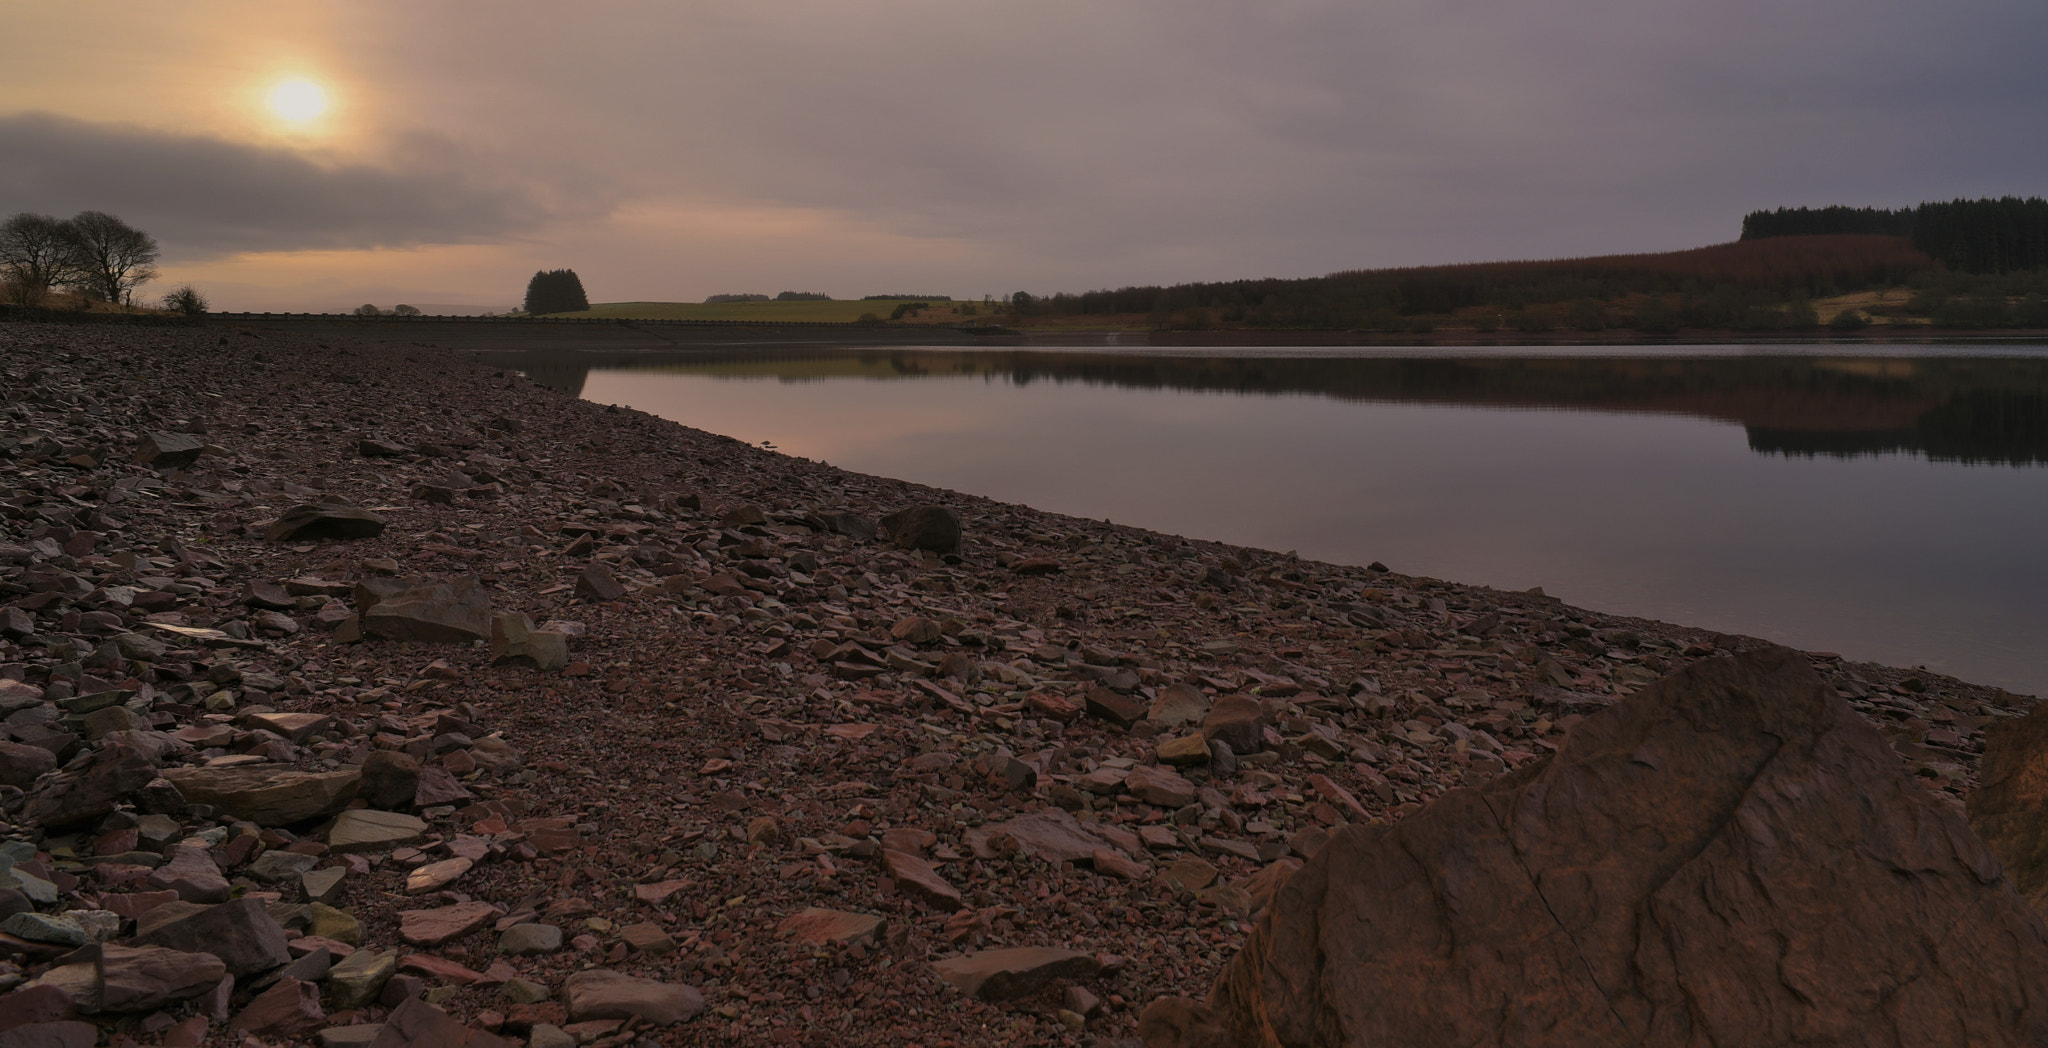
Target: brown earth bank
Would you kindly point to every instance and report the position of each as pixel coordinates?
(355, 693)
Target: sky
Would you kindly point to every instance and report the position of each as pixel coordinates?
(672, 150)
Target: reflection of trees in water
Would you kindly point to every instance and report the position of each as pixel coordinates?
(1983, 410)
(1981, 426)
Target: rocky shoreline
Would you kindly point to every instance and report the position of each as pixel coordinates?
(603, 730)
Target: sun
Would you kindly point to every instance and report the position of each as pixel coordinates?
(298, 101)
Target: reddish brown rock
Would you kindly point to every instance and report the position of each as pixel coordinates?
(915, 877)
(142, 979)
(1118, 709)
(1160, 787)
(288, 1009)
(1732, 856)
(417, 1024)
(1238, 721)
(816, 926)
(436, 926)
(21, 765)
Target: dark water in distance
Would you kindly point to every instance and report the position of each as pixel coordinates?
(1890, 504)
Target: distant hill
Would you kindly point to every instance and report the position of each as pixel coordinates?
(1752, 283)
(788, 311)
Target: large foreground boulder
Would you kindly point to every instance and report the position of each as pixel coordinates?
(1732, 856)
(2009, 807)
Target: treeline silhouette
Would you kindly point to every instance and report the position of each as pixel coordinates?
(1757, 283)
(2006, 235)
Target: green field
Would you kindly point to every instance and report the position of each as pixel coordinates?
(842, 312)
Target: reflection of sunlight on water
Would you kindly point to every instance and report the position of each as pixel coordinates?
(1894, 558)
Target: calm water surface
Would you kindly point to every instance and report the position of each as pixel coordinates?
(1890, 506)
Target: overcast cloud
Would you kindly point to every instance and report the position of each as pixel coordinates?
(1059, 144)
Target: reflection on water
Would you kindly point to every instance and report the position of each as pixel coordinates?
(1887, 506)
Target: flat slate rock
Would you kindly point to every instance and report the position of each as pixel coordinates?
(816, 926)
(325, 520)
(366, 829)
(267, 796)
(455, 612)
(603, 994)
(1002, 975)
(1731, 856)
(436, 926)
(1052, 836)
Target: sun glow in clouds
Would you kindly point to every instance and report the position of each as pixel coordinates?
(298, 101)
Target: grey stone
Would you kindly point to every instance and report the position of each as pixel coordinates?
(523, 939)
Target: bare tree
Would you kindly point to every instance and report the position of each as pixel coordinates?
(113, 258)
(36, 254)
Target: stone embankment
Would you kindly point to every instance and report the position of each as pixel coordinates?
(361, 695)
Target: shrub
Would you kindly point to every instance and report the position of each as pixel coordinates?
(185, 299)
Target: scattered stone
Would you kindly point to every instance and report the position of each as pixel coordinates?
(435, 876)
(1178, 705)
(522, 940)
(1159, 787)
(48, 928)
(596, 584)
(323, 886)
(189, 870)
(361, 976)
(647, 937)
(166, 451)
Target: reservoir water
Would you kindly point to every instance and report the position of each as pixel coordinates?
(1886, 503)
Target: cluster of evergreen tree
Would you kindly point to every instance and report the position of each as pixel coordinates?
(555, 291)
(720, 300)
(803, 296)
(1827, 221)
(2006, 235)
